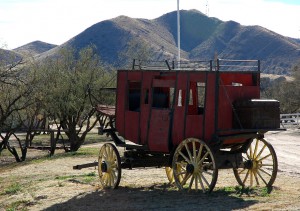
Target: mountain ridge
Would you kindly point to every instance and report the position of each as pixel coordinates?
(201, 38)
(34, 48)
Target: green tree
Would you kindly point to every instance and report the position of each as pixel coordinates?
(287, 92)
(67, 82)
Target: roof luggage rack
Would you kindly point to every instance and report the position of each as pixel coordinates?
(237, 65)
(202, 65)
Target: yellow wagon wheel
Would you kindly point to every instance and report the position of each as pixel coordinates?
(259, 165)
(170, 174)
(109, 166)
(195, 166)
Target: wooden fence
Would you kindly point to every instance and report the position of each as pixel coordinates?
(290, 119)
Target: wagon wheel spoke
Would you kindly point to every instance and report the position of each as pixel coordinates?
(109, 166)
(202, 159)
(184, 157)
(185, 179)
(196, 182)
(261, 177)
(251, 178)
(189, 153)
(255, 149)
(256, 178)
(254, 171)
(191, 182)
(194, 166)
(201, 183)
(200, 152)
(194, 153)
(261, 165)
(261, 151)
(265, 172)
(264, 157)
(245, 178)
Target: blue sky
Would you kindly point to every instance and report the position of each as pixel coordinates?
(57, 21)
(293, 2)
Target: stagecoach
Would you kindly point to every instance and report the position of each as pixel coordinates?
(194, 121)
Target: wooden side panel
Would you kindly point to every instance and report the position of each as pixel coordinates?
(134, 75)
(209, 122)
(179, 110)
(246, 79)
(121, 102)
(146, 104)
(159, 130)
(132, 126)
(198, 76)
(194, 126)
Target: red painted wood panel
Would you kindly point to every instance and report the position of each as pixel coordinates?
(194, 126)
(134, 75)
(121, 102)
(246, 79)
(132, 126)
(146, 105)
(179, 110)
(159, 130)
(210, 106)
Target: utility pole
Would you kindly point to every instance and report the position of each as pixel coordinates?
(207, 9)
(178, 33)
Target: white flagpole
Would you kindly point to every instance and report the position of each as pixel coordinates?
(178, 33)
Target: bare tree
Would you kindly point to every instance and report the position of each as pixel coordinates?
(16, 89)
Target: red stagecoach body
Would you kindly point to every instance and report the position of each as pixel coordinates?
(193, 122)
(159, 109)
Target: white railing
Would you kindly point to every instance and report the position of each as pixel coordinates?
(290, 119)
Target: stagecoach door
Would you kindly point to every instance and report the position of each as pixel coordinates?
(160, 114)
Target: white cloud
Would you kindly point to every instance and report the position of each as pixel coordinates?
(56, 21)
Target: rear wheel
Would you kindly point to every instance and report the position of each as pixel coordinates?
(259, 165)
(170, 174)
(109, 166)
(194, 166)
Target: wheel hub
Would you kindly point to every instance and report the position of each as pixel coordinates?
(190, 168)
(248, 164)
(104, 166)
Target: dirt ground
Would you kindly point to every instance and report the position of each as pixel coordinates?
(52, 184)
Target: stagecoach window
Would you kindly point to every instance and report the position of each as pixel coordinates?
(146, 101)
(181, 94)
(201, 96)
(162, 97)
(172, 90)
(191, 101)
(134, 95)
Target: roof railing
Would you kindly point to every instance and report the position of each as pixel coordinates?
(237, 65)
(202, 65)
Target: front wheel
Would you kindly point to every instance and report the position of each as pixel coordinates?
(194, 166)
(109, 166)
(259, 167)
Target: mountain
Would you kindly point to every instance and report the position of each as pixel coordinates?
(34, 48)
(201, 38)
(8, 57)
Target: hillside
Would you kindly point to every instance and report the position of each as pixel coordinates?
(34, 48)
(201, 38)
(7, 56)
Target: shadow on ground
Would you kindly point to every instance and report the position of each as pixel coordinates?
(156, 197)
